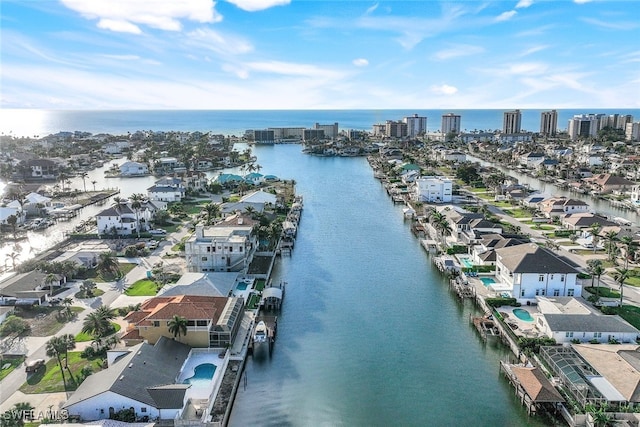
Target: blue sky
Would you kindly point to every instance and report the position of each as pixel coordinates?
(281, 54)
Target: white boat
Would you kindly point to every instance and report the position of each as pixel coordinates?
(260, 334)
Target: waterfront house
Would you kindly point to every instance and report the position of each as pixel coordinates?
(226, 246)
(35, 204)
(254, 178)
(475, 230)
(195, 181)
(529, 270)
(531, 160)
(212, 321)
(568, 319)
(607, 183)
(116, 147)
(635, 195)
(483, 252)
(122, 219)
(133, 169)
(560, 206)
(433, 189)
(581, 221)
(227, 179)
(141, 378)
(167, 165)
(167, 189)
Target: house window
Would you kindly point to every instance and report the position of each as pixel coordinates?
(156, 323)
(208, 248)
(101, 411)
(556, 292)
(570, 292)
(143, 409)
(522, 293)
(541, 278)
(201, 323)
(240, 248)
(597, 334)
(551, 277)
(568, 334)
(230, 248)
(562, 278)
(204, 258)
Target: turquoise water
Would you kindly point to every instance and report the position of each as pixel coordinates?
(202, 374)
(466, 262)
(369, 334)
(242, 286)
(523, 315)
(487, 281)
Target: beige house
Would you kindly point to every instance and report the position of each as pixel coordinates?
(211, 321)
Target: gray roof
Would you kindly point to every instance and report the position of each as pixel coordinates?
(589, 323)
(169, 396)
(531, 258)
(24, 285)
(164, 189)
(145, 366)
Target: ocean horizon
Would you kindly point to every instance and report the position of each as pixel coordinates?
(39, 123)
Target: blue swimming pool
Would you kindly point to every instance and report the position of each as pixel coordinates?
(242, 286)
(202, 374)
(466, 262)
(523, 315)
(487, 281)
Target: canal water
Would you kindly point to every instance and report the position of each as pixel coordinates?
(369, 334)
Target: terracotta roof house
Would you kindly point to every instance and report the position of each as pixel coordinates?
(560, 206)
(606, 183)
(211, 321)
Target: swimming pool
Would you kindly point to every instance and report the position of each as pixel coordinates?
(487, 281)
(242, 286)
(202, 374)
(523, 315)
(466, 262)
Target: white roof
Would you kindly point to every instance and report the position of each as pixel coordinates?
(36, 198)
(259, 197)
(272, 293)
(606, 388)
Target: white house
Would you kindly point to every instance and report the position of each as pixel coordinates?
(226, 246)
(133, 169)
(635, 195)
(254, 178)
(560, 206)
(529, 270)
(36, 204)
(167, 190)
(566, 319)
(433, 189)
(116, 147)
(12, 208)
(122, 219)
(141, 378)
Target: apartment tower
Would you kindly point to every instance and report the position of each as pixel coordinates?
(549, 123)
(512, 122)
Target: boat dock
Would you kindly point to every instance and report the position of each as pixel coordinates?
(486, 327)
(272, 330)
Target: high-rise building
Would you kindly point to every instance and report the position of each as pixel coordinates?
(450, 123)
(512, 122)
(415, 125)
(584, 125)
(330, 131)
(549, 123)
(395, 129)
(616, 121)
(632, 131)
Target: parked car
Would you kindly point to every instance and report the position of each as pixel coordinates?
(158, 231)
(153, 244)
(34, 365)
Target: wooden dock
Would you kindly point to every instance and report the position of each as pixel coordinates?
(486, 327)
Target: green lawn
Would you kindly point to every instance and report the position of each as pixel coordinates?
(12, 364)
(518, 213)
(143, 287)
(603, 291)
(633, 281)
(194, 208)
(49, 379)
(631, 314)
(477, 190)
(84, 337)
(96, 293)
(124, 267)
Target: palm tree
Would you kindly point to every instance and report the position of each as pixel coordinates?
(629, 246)
(70, 342)
(98, 323)
(595, 230)
(94, 182)
(213, 211)
(12, 221)
(84, 176)
(50, 280)
(611, 237)
(136, 205)
(596, 270)
(56, 347)
(621, 274)
(107, 263)
(178, 326)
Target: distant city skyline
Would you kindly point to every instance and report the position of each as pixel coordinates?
(282, 54)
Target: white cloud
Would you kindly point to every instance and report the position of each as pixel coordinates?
(524, 4)
(457, 51)
(505, 16)
(532, 50)
(371, 9)
(631, 25)
(581, 1)
(119, 26)
(223, 44)
(360, 62)
(256, 5)
(444, 89)
(292, 69)
(128, 15)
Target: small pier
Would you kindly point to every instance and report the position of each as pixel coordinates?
(462, 289)
(486, 327)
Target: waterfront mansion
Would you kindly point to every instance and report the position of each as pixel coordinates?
(226, 246)
(529, 271)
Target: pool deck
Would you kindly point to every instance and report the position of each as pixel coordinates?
(199, 357)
